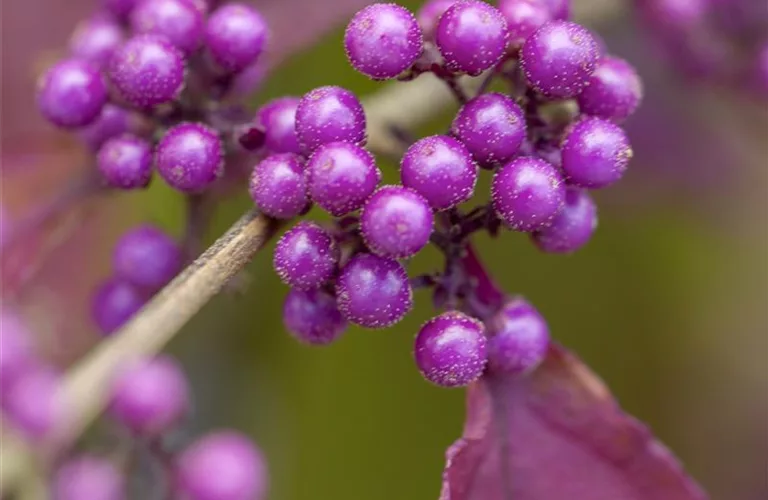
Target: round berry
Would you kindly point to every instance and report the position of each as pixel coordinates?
(329, 114)
(572, 228)
(450, 349)
(614, 90)
(16, 352)
(441, 169)
(222, 465)
(429, 15)
(527, 193)
(396, 222)
(87, 476)
(190, 157)
(278, 117)
(492, 126)
(114, 303)
(95, 40)
(558, 59)
(235, 36)
(519, 338)
(373, 291)
(523, 18)
(341, 176)
(71, 93)
(248, 81)
(278, 186)
(471, 36)
(313, 317)
(125, 162)
(147, 70)
(306, 256)
(121, 9)
(595, 153)
(147, 257)
(383, 40)
(33, 403)
(559, 9)
(180, 21)
(111, 122)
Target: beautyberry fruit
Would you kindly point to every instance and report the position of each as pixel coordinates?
(519, 338)
(88, 476)
(190, 157)
(306, 256)
(125, 162)
(572, 228)
(71, 94)
(329, 114)
(595, 153)
(313, 317)
(114, 303)
(235, 36)
(278, 186)
(147, 257)
(614, 90)
(180, 21)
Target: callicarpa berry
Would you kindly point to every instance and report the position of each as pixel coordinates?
(523, 18)
(111, 122)
(235, 36)
(190, 157)
(278, 186)
(147, 257)
(180, 21)
(572, 228)
(595, 153)
(560, 9)
(114, 303)
(614, 90)
(519, 338)
(329, 114)
(33, 403)
(429, 14)
(95, 40)
(306, 256)
(71, 94)
(450, 349)
(248, 81)
(278, 117)
(125, 162)
(88, 476)
(313, 317)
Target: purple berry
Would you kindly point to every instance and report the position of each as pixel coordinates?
(306, 256)
(121, 9)
(33, 403)
(492, 126)
(16, 352)
(313, 317)
(87, 476)
(95, 40)
(278, 186)
(147, 257)
(396, 222)
(114, 303)
(429, 15)
(111, 122)
(125, 162)
(278, 117)
(180, 21)
(523, 18)
(341, 176)
(71, 93)
(559, 9)
(235, 36)
(373, 291)
(572, 228)
(614, 90)
(559, 58)
(450, 349)
(527, 193)
(519, 338)
(248, 81)
(147, 70)
(329, 114)
(595, 153)
(471, 36)
(383, 40)
(190, 157)
(222, 465)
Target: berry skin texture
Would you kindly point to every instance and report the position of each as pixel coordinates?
(429, 14)
(440, 169)
(306, 256)
(492, 127)
(147, 71)
(450, 349)
(235, 36)
(313, 317)
(178, 20)
(472, 36)
(329, 114)
(519, 338)
(95, 39)
(114, 303)
(222, 465)
(88, 476)
(559, 58)
(111, 122)
(125, 162)
(190, 157)
(71, 94)
(373, 291)
(147, 257)
(278, 117)
(572, 228)
(33, 404)
(396, 222)
(383, 40)
(341, 176)
(278, 186)
(595, 153)
(614, 90)
(527, 193)
(523, 18)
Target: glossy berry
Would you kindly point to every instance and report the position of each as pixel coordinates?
(119, 8)
(440, 169)
(71, 93)
(278, 117)
(519, 338)
(235, 36)
(527, 193)
(190, 157)
(329, 114)
(373, 291)
(471, 36)
(95, 39)
(125, 162)
(523, 18)
(572, 228)
(559, 58)
(383, 40)
(16, 352)
(114, 303)
(150, 396)
(396, 222)
(313, 317)
(147, 71)
(595, 153)
(111, 122)
(222, 465)
(450, 349)
(278, 186)
(33, 403)
(429, 14)
(492, 127)
(341, 176)
(614, 90)
(88, 476)
(147, 257)
(306, 256)
(180, 21)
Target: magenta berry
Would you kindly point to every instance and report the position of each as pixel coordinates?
(249, 80)
(114, 303)
(125, 162)
(595, 153)
(450, 349)
(235, 36)
(71, 94)
(16, 352)
(329, 114)
(524, 17)
(190, 157)
(306, 256)
(572, 228)
(519, 338)
(373, 291)
(313, 317)
(559, 9)
(33, 403)
(88, 476)
(180, 21)
(429, 14)
(147, 257)
(614, 90)
(278, 186)
(278, 117)
(111, 122)
(95, 40)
